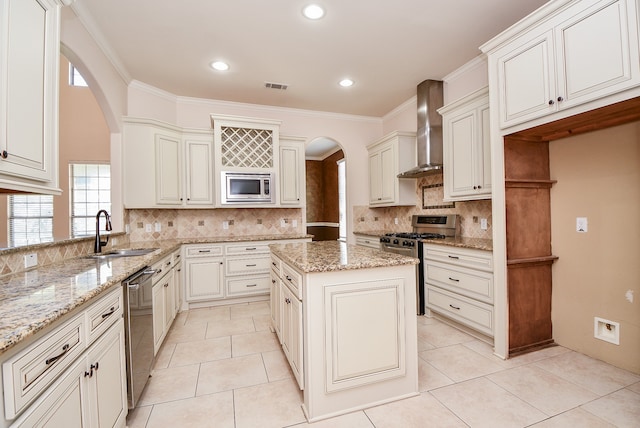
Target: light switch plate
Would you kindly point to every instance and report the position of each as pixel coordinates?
(30, 260)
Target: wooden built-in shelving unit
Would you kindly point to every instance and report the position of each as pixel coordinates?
(528, 219)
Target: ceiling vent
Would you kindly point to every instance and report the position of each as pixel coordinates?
(280, 86)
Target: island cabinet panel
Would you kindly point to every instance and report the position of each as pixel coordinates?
(365, 342)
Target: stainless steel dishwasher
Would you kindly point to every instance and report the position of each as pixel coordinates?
(138, 331)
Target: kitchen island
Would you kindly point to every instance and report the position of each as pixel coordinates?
(345, 316)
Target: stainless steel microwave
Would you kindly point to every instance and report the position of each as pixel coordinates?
(246, 187)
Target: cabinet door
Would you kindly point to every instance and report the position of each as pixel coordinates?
(274, 301)
(28, 90)
(168, 171)
(375, 183)
(594, 46)
(199, 172)
(177, 287)
(169, 302)
(292, 333)
(290, 174)
(108, 391)
(461, 140)
(204, 278)
(526, 70)
(484, 145)
(158, 314)
(62, 405)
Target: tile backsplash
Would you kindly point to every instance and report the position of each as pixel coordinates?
(470, 212)
(180, 224)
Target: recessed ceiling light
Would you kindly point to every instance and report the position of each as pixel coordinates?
(345, 83)
(220, 65)
(313, 11)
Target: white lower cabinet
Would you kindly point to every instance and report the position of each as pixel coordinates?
(163, 297)
(275, 302)
(204, 273)
(369, 241)
(90, 392)
(291, 332)
(459, 285)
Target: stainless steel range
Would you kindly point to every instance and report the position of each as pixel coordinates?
(425, 227)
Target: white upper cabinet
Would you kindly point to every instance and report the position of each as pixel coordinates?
(164, 165)
(467, 148)
(292, 172)
(389, 156)
(577, 53)
(29, 61)
(198, 169)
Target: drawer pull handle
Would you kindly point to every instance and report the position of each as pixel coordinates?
(177, 256)
(251, 249)
(252, 285)
(166, 285)
(273, 263)
(288, 278)
(52, 360)
(457, 308)
(108, 314)
(168, 263)
(204, 251)
(453, 279)
(287, 300)
(454, 257)
(253, 265)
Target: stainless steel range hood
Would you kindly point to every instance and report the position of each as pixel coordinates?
(429, 133)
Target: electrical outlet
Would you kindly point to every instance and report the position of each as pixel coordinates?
(395, 220)
(283, 223)
(148, 228)
(294, 223)
(483, 224)
(158, 227)
(581, 224)
(225, 225)
(30, 260)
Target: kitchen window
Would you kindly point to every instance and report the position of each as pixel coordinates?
(75, 78)
(90, 192)
(30, 219)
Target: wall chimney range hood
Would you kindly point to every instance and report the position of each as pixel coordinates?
(429, 133)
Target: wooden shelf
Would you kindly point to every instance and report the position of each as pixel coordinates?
(532, 261)
(535, 184)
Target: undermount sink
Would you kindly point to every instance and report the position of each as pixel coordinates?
(125, 252)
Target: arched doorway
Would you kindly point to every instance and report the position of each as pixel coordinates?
(326, 189)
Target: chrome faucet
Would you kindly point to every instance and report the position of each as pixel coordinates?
(97, 248)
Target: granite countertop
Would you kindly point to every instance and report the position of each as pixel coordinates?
(460, 241)
(328, 256)
(33, 299)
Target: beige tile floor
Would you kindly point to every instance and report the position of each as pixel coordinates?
(222, 367)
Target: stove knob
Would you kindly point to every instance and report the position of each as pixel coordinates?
(411, 244)
(395, 241)
(384, 239)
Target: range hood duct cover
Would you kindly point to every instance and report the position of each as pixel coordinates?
(429, 132)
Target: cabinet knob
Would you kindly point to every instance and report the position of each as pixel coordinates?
(5, 154)
(560, 99)
(551, 102)
(479, 187)
(475, 187)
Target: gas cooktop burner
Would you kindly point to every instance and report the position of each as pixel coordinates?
(415, 235)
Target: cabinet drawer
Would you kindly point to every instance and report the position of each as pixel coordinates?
(247, 248)
(31, 371)
(276, 264)
(248, 265)
(468, 282)
(103, 314)
(471, 313)
(293, 280)
(204, 251)
(258, 284)
(368, 241)
(465, 257)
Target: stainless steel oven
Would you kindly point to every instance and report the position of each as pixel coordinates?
(246, 187)
(409, 244)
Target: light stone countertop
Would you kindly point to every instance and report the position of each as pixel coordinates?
(460, 241)
(32, 300)
(328, 256)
